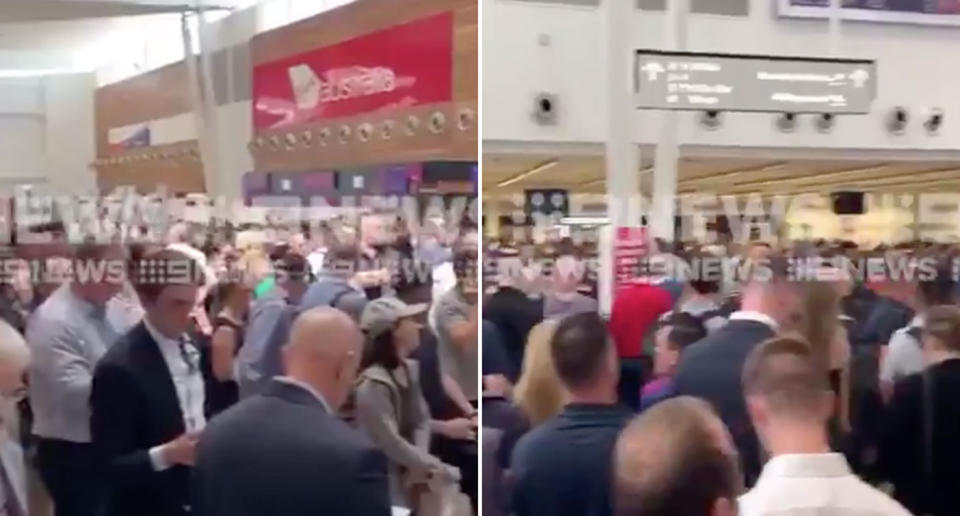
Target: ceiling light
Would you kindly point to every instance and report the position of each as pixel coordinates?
(585, 221)
(604, 179)
(807, 178)
(734, 173)
(546, 165)
(39, 72)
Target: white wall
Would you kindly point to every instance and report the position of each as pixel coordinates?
(234, 123)
(915, 71)
(22, 135)
(46, 132)
(69, 131)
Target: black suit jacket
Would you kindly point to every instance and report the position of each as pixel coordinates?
(926, 480)
(711, 370)
(281, 453)
(514, 314)
(134, 408)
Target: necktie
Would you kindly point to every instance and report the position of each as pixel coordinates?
(191, 358)
(189, 354)
(11, 506)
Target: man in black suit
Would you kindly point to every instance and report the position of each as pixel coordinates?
(285, 451)
(711, 368)
(919, 450)
(512, 311)
(148, 395)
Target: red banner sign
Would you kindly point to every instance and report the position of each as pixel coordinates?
(403, 66)
(629, 249)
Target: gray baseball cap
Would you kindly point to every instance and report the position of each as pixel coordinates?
(382, 314)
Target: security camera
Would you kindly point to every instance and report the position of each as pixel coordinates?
(306, 138)
(934, 122)
(438, 121)
(711, 119)
(323, 136)
(413, 123)
(465, 119)
(897, 120)
(787, 122)
(545, 109)
(345, 133)
(386, 130)
(825, 122)
(364, 131)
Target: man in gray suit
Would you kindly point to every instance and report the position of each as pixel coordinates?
(285, 451)
(14, 359)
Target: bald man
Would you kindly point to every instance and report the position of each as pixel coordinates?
(285, 451)
(676, 459)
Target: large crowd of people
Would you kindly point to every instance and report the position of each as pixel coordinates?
(814, 387)
(218, 374)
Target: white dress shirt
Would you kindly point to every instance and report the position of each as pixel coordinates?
(188, 382)
(760, 317)
(904, 354)
(297, 383)
(815, 485)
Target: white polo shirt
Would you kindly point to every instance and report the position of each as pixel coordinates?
(815, 485)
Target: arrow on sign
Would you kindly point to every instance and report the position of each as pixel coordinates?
(859, 77)
(653, 70)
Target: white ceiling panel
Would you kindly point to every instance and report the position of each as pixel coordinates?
(47, 10)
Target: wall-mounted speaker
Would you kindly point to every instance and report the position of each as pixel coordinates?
(848, 203)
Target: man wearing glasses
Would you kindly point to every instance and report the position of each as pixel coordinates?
(148, 395)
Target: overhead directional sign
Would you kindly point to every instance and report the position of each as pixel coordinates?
(732, 82)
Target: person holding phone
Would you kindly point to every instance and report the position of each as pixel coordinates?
(148, 395)
(389, 401)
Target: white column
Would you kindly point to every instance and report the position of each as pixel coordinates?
(620, 152)
(836, 16)
(204, 104)
(667, 154)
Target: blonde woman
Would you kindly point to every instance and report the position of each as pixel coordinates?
(539, 392)
(820, 325)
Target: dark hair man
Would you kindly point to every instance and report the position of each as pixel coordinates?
(790, 402)
(676, 459)
(711, 369)
(562, 467)
(904, 353)
(148, 395)
(919, 451)
(677, 332)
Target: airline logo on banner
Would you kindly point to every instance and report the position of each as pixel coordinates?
(399, 67)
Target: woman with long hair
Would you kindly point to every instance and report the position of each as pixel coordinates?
(230, 304)
(539, 392)
(820, 325)
(389, 401)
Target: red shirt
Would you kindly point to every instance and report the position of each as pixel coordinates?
(635, 311)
